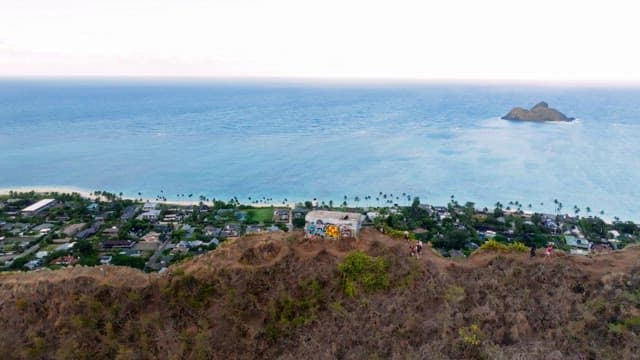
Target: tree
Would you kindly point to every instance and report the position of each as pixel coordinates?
(84, 248)
(298, 223)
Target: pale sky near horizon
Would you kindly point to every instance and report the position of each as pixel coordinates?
(542, 40)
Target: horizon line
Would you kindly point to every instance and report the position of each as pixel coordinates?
(341, 80)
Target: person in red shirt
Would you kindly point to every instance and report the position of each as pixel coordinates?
(549, 250)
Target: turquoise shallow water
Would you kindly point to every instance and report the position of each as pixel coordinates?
(293, 141)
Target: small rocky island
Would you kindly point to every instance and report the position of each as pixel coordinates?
(540, 112)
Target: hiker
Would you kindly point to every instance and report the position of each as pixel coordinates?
(549, 250)
(418, 248)
(532, 251)
(412, 250)
(406, 235)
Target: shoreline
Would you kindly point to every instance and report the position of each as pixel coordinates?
(90, 195)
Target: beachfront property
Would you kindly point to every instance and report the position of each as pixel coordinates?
(151, 215)
(148, 206)
(38, 207)
(333, 224)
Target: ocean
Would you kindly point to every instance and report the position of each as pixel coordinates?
(298, 141)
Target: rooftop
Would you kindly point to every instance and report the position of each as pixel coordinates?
(38, 205)
(333, 215)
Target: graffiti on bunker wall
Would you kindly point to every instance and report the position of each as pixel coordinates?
(319, 228)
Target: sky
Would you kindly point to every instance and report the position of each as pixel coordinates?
(510, 40)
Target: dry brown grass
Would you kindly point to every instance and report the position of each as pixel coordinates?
(281, 296)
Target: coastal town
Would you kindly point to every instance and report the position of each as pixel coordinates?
(55, 230)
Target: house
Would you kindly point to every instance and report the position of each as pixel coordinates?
(148, 206)
(93, 207)
(281, 215)
(65, 247)
(128, 212)
(373, 215)
(130, 252)
(489, 234)
(151, 215)
(212, 231)
(333, 224)
(231, 230)
(614, 234)
(111, 232)
(65, 260)
(33, 264)
(86, 233)
(578, 246)
(73, 229)
(151, 237)
(117, 244)
(39, 207)
(171, 218)
(254, 229)
(46, 227)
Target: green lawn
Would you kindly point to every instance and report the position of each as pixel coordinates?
(261, 214)
(51, 247)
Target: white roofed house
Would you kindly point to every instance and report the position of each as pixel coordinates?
(578, 246)
(148, 206)
(151, 215)
(38, 207)
(333, 224)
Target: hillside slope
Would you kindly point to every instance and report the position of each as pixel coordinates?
(281, 296)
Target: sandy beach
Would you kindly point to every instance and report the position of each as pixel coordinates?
(90, 195)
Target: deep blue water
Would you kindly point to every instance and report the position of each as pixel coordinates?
(224, 139)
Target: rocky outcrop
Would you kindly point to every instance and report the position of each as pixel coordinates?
(540, 112)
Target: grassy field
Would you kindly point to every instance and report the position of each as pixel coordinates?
(261, 215)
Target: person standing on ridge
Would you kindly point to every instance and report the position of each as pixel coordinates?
(549, 250)
(532, 251)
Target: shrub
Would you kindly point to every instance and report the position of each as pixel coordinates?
(360, 270)
(455, 294)
(287, 312)
(494, 245)
(397, 234)
(471, 336)
(518, 247)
